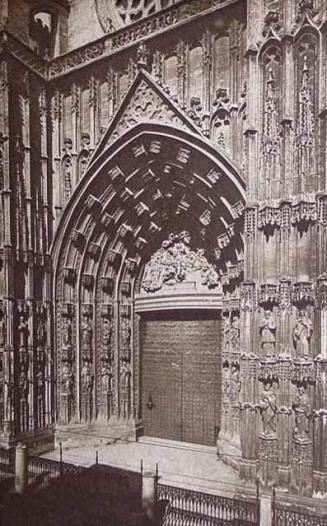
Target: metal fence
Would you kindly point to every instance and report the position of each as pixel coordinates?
(42, 471)
(193, 508)
(284, 514)
(7, 463)
(287, 517)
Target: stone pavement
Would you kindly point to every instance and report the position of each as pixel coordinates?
(179, 464)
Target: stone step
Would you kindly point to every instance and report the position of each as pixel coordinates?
(211, 450)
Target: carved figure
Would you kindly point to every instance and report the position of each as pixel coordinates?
(175, 262)
(268, 411)
(106, 377)
(125, 384)
(235, 384)
(125, 331)
(303, 412)
(87, 377)
(2, 331)
(23, 382)
(67, 379)
(234, 334)
(302, 333)
(67, 334)
(226, 381)
(23, 395)
(40, 332)
(86, 333)
(22, 329)
(267, 330)
(106, 332)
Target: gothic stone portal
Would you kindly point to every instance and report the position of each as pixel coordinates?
(155, 227)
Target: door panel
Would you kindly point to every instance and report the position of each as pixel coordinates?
(161, 382)
(180, 376)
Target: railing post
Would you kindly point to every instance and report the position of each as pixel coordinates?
(21, 468)
(61, 466)
(265, 510)
(148, 493)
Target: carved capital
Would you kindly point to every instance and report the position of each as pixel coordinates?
(69, 275)
(303, 294)
(78, 239)
(87, 281)
(67, 310)
(268, 295)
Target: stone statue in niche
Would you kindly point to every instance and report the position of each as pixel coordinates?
(22, 330)
(23, 395)
(67, 334)
(106, 377)
(125, 385)
(267, 330)
(106, 385)
(67, 379)
(2, 330)
(234, 334)
(303, 413)
(225, 322)
(40, 332)
(106, 333)
(40, 394)
(235, 384)
(226, 381)
(86, 332)
(125, 331)
(87, 377)
(302, 333)
(268, 411)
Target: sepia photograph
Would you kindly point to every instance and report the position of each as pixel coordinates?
(163, 262)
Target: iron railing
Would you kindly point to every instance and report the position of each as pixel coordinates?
(41, 471)
(7, 463)
(287, 517)
(194, 508)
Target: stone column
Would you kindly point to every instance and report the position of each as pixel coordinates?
(21, 469)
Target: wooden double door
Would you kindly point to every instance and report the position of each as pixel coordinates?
(181, 376)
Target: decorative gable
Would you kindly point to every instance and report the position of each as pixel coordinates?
(145, 102)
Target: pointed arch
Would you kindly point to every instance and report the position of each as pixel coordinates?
(151, 182)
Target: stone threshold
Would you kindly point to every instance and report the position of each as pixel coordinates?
(176, 444)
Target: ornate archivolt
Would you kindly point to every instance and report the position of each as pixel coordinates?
(135, 203)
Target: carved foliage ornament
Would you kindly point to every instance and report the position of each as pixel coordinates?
(175, 262)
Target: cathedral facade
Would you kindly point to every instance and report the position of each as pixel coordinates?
(163, 227)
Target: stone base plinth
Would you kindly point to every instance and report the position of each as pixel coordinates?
(319, 483)
(248, 470)
(268, 456)
(98, 433)
(229, 452)
(37, 442)
(301, 468)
